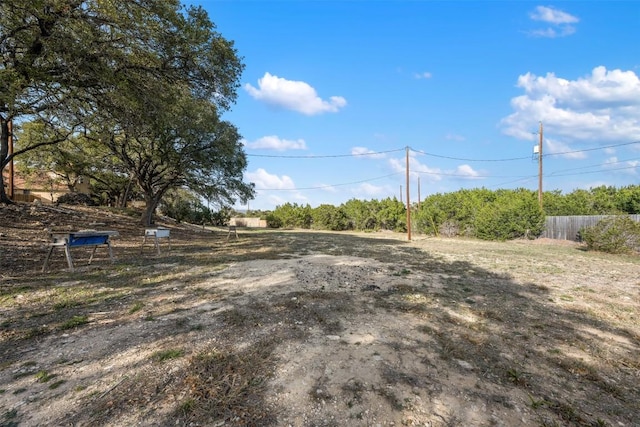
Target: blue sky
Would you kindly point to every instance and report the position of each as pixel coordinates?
(464, 84)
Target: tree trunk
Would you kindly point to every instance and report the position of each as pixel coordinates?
(150, 209)
(4, 153)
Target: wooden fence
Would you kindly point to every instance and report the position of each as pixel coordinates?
(567, 227)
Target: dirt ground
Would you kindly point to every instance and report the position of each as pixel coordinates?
(304, 328)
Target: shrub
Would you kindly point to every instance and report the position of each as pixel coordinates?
(515, 214)
(328, 217)
(273, 221)
(614, 235)
(76, 199)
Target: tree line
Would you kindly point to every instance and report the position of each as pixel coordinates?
(479, 213)
(128, 94)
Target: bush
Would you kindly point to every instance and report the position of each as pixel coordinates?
(76, 199)
(273, 221)
(328, 217)
(615, 235)
(513, 215)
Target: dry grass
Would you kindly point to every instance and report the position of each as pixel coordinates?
(530, 330)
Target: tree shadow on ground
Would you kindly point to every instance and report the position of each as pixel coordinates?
(497, 342)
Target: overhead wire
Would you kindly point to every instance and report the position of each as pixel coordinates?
(469, 160)
(331, 185)
(520, 177)
(327, 156)
(591, 149)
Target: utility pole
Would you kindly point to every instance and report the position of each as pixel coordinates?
(408, 202)
(400, 193)
(540, 168)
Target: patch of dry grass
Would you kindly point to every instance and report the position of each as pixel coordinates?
(550, 325)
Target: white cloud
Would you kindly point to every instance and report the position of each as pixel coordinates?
(273, 142)
(552, 16)
(416, 168)
(467, 172)
(293, 95)
(603, 107)
(552, 33)
(560, 22)
(365, 152)
(551, 146)
(423, 75)
(329, 188)
(266, 181)
(626, 167)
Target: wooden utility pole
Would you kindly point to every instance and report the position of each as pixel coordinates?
(540, 168)
(10, 185)
(408, 202)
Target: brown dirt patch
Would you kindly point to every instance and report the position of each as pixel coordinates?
(306, 328)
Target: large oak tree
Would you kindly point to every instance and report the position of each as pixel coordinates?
(149, 79)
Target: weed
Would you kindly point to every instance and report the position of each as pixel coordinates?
(43, 376)
(56, 384)
(162, 355)
(517, 377)
(136, 307)
(74, 322)
(187, 406)
(403, 272)
(35, 332)
(536, 403)
(65, 304)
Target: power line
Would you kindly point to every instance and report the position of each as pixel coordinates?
(372, 153)
(330, 185)
(590, 172)
(467, 175)
(470, 160)
(593, 166)
(593, 149)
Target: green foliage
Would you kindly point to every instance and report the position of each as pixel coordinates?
(452, 214)
(601, 200)
(273, 221)
(329, 217)
(512, 215)
(184, 206)
(163, 355)
(221, 217)
(619, 234)
(362, 215)
(291, 215)
(76, 199)
(74, 322)
(392, 215)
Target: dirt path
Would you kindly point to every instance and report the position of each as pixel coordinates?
(320, 329)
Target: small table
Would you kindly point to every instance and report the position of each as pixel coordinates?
(66, 241)
(156, 234)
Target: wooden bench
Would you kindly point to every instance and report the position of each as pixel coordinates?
(157, 234)
(69, 240)
(232, 230)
